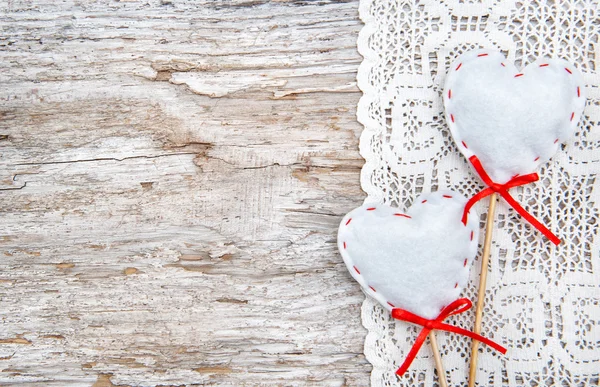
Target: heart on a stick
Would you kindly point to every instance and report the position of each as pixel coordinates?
(417, 260)
(512, 120)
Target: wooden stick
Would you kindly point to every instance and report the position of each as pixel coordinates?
(438, 360)
(485, 258)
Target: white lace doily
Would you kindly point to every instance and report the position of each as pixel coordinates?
(543, 302)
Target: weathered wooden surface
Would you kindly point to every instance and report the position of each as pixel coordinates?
(172, 175)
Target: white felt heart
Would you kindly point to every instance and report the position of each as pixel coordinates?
(419, 260)
(511, 120)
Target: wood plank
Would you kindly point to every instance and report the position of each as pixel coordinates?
(172, 176)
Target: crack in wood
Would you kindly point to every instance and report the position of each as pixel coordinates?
(104, 159)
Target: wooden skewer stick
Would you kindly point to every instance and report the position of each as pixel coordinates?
(485, 258)
(438, 360)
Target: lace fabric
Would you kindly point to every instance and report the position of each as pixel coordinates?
(542, 301)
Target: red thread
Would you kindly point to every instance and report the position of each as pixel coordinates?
(578, 92)
(403, 215)
(465, 144)
(480, 55)
(452, 117)
(447, 196)
(348, 222)
(449, 93)
(344, 245)
(503, 65)
(537, 158)
(519, 75)
(370, 208)
(502, 190)
(459, 306)
(390, 304)
(373, 289)
(464, 264)
(424, 201)
(471, 235)
(569, 71)
(572, 116)
(555, 141)
(455, 285)
(457, 67)
(356, 269)
(544, 65)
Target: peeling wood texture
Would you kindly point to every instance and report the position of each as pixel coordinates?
(172, 174)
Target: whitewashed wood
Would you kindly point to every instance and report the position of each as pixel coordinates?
(172, 175)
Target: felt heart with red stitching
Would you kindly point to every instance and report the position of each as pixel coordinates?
(419, 260)
(512, 120)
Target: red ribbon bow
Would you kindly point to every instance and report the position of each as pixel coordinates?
(459, 306)
(502, 190)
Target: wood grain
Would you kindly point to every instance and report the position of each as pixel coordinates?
(172, 175)
(441, 373)
(485, 264)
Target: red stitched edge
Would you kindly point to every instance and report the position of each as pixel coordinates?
(537, 158)
(458, 67)
(371, 287)
(370, 208)
(480, 55)
(516, 76)
(348, 222)
(403, 215)
(447, 196)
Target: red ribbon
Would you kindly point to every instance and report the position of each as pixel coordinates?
(459, 306)
(502, 190)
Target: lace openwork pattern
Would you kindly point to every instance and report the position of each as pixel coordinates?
(542, 302)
